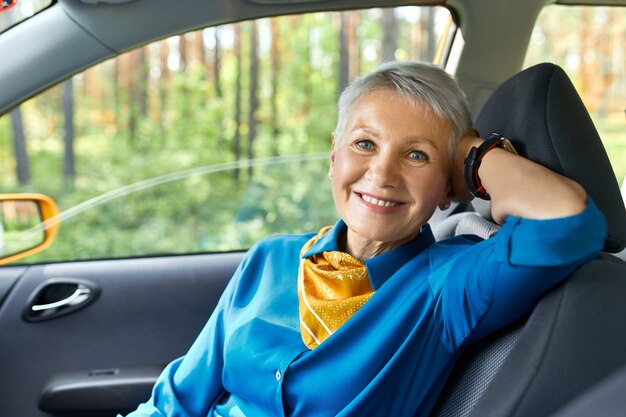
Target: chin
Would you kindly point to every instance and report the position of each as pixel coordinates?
(383, 234)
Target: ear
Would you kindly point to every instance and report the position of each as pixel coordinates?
(445, 202)
(332, 152)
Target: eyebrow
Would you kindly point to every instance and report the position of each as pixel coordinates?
(420, 139)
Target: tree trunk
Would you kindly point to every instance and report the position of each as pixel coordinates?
(390, 37)
(200, 48)
(307, 78)
(182, 50)
(137, 90)
(125, 100)
(429, 20)
(164, 54)
(116, 93)
(353, 45)
(275, 75)
(237, 138)
(604, 43)
(344, 60)
(86, 82)
(69, 168)
(348, 48)
(217, 64)
(135, 96)
(254, 99)
(586, 79)
(142, 85)
(416, 40)
(19, 147)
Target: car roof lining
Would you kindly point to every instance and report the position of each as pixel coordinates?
(43, 50)
(138, 24)
(106, 1)
(590, 2)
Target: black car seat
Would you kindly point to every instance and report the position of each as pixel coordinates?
(576, 335)
(605, 399)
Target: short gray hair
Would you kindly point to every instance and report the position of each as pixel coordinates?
(419, 82)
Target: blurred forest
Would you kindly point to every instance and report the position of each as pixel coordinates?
(149, 153)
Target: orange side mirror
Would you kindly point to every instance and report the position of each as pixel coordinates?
(28, 225)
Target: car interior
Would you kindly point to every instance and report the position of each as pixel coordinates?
(567, 358)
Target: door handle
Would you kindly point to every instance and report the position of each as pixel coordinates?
(59, 296)
(82, 293)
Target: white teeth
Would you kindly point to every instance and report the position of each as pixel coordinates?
(378, 202)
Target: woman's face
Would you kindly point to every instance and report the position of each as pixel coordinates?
(390, 168)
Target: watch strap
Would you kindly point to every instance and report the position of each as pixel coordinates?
(474, 159)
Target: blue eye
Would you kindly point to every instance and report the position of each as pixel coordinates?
(418, 156)
(365, 145)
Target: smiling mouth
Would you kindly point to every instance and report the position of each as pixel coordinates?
(378, 202)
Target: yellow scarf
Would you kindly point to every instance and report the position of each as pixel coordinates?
(332, 286)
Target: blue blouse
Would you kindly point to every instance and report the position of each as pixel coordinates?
(394, 355)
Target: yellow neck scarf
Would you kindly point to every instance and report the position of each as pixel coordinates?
(332, 286)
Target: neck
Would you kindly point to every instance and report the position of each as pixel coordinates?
(363, 248)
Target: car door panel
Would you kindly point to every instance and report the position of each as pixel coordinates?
(98, 391)
(147, 313)
(8, 278)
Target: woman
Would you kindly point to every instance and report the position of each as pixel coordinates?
(366, 318)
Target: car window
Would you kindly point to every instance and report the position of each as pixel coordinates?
(13, 12)
(589, 43)
(206, 141)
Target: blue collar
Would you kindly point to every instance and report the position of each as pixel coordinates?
(380, 267)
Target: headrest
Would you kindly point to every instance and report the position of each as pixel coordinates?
(541, 112)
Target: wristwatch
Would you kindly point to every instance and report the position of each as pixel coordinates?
(473, 160)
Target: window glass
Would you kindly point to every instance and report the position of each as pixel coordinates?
(203, 142)
(13, 12)
(590, 44)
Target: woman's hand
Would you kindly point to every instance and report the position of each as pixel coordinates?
(517, 186)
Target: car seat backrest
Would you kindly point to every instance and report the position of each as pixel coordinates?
(606, 399)
(571, 342)
(474, 372)
(575, 337)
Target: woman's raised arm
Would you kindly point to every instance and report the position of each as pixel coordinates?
(517, 186)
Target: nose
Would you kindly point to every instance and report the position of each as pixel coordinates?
(384, 171)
